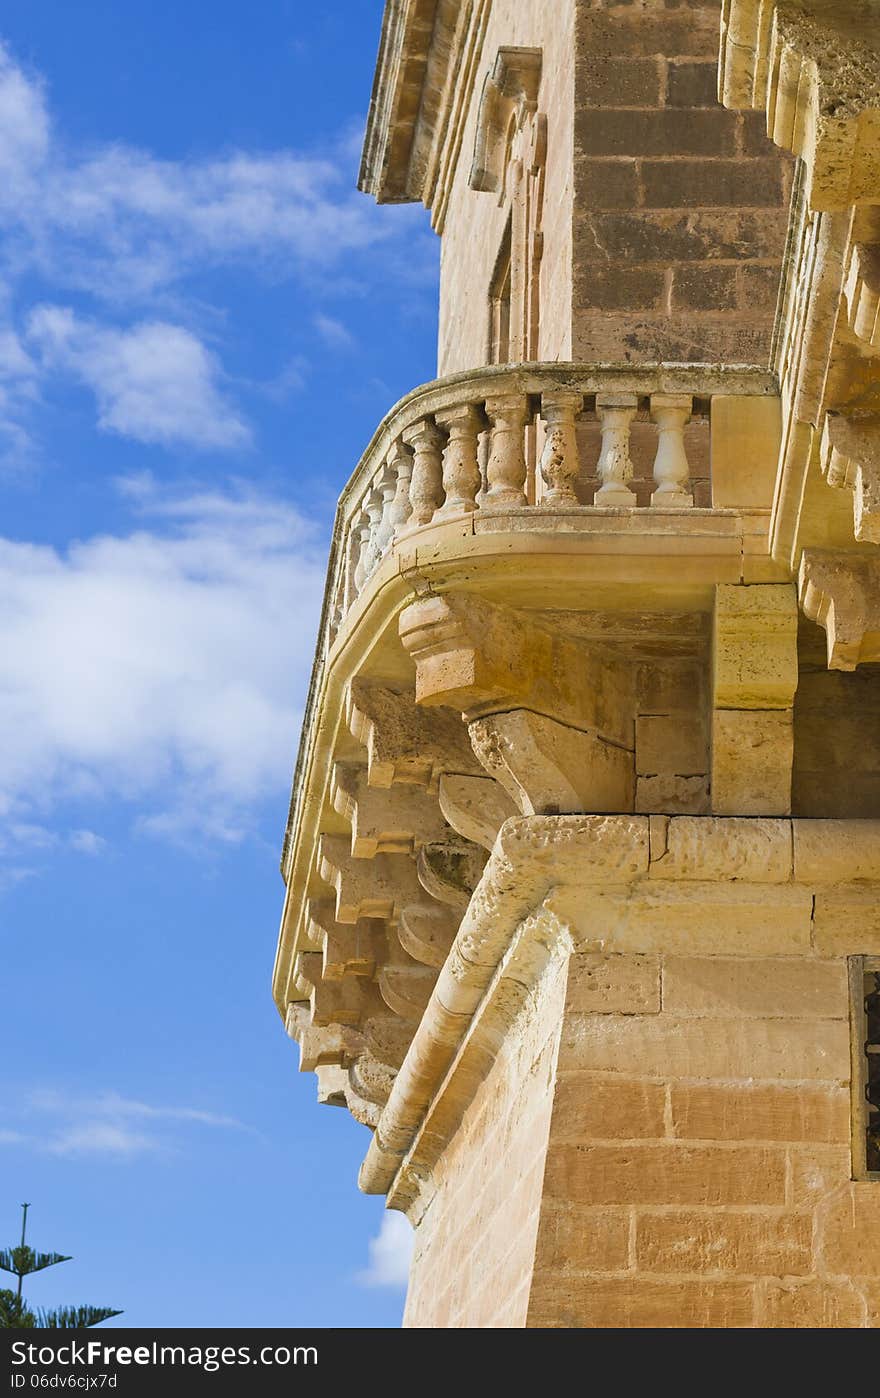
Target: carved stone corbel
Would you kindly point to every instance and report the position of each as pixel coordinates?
(814, 66)
(851, 460)
(404, 743)
(476, 807)
(450, 871)
(548, 768)
(346, 950)
(427, 930)
(550, 719)
(366, 887)
(381, 820)
(842, 593)
(862, 292)
(407, 989)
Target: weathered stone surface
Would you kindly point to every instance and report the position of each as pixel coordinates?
(665, 1174)
(755, 987)
(753, 1243)
(404, 743)
(609, 1072)
(744, 1112)
(548, 768)
(849, 1232)
(476, 807)
(752, 753)
(613, 984)
(589, 1108)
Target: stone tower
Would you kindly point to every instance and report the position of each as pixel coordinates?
(583, 861)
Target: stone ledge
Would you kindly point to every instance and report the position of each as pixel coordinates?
(514, 928)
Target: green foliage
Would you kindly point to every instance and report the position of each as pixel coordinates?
(22, 1261)
(73, 1317)
(14, 1314)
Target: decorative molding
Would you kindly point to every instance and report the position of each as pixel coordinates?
(814, 66)
(841, 591)
(509, 101)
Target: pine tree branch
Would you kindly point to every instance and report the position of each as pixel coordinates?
(73, 1317)
(22, 1261)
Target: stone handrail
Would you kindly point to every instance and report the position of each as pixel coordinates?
(503, 440)
(461, 445)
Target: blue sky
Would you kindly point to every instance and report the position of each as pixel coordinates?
(201, 323)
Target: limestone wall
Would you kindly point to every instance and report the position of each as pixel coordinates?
(679, 1156)
(475, 1244)
(664, 216)
(475, 222)
(698, 1170)
(680, 207)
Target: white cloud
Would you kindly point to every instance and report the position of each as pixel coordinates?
(161, 665)
(154, 382)
(104, 1138)
(125, 228)
(107, 1126)
(121, 222)
(390, 1253)
(87, 842)
(333, 332)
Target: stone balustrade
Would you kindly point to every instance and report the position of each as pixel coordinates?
(528, 438)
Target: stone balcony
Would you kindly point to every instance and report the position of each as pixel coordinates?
(534, 606)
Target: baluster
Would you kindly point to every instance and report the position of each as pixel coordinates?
(362, 548)
(400, 460)
(461, 474)
(506, 466)
(671, 411)
(615, 468)
(425, 490)
(369, 531)
(387, 489)
(560, 466)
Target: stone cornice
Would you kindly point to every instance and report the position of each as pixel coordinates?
(814, 66)
(410, 91)
(620, 872)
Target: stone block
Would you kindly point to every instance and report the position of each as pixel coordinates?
(666, 1046)
(670, 743)
(747, 986)
(809, 1305)
(613, 984)
(831, 851)
(704, 288)
(673, 795)
(746, 434)
(642, 132)
(849, 1232)
(694, 184)
(815, 1172)
(587, 1108)
(720, 1112)
(636, 1303)
(665, 1174)
(847, 923)
(753, 851)
(752, 753)
(692, 84)
(749, 1242)
(581, 1240)
(755, 661)
(682, 918)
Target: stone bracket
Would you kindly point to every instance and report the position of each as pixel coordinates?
(404, 743)
(841, 592)
(850, 458)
